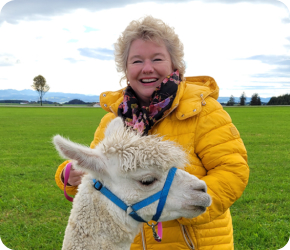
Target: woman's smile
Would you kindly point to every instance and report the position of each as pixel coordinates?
(148, 81)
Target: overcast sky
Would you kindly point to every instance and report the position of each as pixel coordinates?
(243, 44)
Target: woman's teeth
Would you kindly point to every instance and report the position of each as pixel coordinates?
(149, 80)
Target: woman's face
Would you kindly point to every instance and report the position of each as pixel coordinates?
(147, 66)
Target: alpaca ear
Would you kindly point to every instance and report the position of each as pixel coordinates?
(115, 125)
(85, 157)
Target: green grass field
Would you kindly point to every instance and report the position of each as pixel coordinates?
(34, 213)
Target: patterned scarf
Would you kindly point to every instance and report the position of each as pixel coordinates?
(142, 118)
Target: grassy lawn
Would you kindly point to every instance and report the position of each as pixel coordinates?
(33, 211)
(261, 217)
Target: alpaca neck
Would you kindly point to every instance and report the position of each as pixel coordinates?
(117, 227)
(96, 223)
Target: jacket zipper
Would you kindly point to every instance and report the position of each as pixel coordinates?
(143, 239)
(187, 238)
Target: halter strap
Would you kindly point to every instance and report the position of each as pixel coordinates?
(161, 196)
(143, 203)
(99, 186)
(164, 193)
(115, 199)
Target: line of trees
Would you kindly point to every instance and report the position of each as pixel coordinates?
(12, 101)
(255, 100)
(280, 100)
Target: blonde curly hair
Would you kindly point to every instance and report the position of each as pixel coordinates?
(152, 29)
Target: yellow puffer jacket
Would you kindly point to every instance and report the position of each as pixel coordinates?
(217, 156)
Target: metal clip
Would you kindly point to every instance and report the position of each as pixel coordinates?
(155, 235)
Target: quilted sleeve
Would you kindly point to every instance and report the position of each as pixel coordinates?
(100, 132)
(99, 135)
(223, 154)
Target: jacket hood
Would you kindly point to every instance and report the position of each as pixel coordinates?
(190, 97)
(192, 94)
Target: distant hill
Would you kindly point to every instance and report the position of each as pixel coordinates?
(31, 95)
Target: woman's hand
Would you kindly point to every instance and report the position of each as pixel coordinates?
(75, 176)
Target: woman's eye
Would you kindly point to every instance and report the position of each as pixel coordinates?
(137, 61)
(158, 59)
(148, 181)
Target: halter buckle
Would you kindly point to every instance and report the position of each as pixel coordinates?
(98, 185)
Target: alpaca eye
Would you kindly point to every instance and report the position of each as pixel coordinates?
(147, 181)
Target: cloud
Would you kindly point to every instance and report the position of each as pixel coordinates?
(89, 29)
(98, 53)
(257, 87)
(72, 60)
(211, 44)
(275, 2)
(4, 64)
(18, 10)
(73, 41)
(287, 46)
(2, 3)
(286, 20)
(281, 62)
(271, 74)
(272, 59)
(8, 60)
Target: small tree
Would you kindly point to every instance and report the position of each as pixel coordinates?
(243, 99)
(231, 101)
(256, 100)
(39, 84)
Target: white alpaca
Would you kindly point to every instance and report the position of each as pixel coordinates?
(133, 168)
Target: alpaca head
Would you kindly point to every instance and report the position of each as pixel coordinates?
(135, 167)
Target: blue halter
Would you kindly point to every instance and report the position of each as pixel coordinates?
(161, 196)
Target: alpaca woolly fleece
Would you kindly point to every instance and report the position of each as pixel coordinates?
(133, 168)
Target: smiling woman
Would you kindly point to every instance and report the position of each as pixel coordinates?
(148, 65)
(160, 101)
(154, 30)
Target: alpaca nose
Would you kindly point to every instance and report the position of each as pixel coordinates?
(200, 187)
(200, 190)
